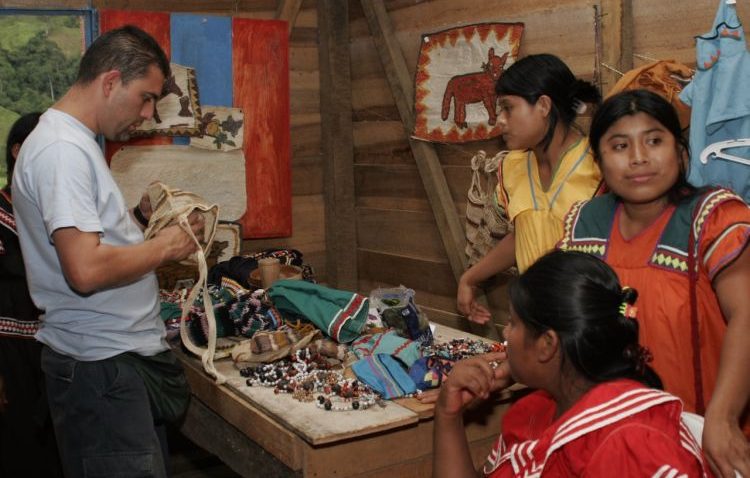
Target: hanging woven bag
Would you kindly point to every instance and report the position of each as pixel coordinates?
(486, 222)
(174, 206)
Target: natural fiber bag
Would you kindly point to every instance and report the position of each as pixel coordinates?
(173, 206)
(485, 223)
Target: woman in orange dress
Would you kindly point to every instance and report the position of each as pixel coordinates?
(685, 250)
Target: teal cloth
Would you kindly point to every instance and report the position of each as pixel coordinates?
(390, 343)
(385, 375)
(339, 314)
(170, 311)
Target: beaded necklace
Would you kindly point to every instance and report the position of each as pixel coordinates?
(308, 377)
(458, 349)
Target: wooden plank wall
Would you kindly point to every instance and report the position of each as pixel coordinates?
(397, 238)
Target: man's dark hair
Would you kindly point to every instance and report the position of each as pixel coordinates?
(128, 49)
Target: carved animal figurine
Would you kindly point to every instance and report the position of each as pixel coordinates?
(474, 88)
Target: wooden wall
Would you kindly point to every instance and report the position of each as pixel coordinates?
(397, 240)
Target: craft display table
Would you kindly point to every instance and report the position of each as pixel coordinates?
(261, 434)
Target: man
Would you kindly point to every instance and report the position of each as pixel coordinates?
(89, 268)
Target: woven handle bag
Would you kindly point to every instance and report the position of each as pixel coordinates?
(173, 206)
(484, 226)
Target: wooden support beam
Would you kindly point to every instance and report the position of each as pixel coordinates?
(337, 144)
(433, 177)
(617, 39)
(428, 163)
(288, 10)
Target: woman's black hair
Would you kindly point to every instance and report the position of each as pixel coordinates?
(23, 126)
(629, 103)
(545, 74)
(579, 297)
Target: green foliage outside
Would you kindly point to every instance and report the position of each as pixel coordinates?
(39, 58)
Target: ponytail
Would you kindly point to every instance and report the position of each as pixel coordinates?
(580, 298)
(545, 74)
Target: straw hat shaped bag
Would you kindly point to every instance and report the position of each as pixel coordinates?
(173, 206)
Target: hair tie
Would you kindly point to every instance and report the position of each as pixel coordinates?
(629, 311)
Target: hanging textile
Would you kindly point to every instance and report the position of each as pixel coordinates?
(720, 102)
(457, 69)
(664, 77)
(240, 63)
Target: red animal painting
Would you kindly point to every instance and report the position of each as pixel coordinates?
(474, 88)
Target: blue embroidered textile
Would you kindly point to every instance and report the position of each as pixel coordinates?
(720, 101)
(385, 375)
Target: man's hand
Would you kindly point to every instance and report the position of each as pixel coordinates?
(179, 244)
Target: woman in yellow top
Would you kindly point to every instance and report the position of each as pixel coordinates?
(549, 168)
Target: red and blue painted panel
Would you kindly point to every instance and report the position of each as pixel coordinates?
(243, 63)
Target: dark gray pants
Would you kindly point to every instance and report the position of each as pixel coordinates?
(102, 418)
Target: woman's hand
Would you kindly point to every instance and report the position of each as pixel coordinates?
(468, 306)
(726, 448)
(472, 380)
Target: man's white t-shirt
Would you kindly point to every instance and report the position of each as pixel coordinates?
(62, 180)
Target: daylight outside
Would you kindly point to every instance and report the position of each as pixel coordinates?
(39, 58)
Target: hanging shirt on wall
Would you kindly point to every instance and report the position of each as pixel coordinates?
(720, 102)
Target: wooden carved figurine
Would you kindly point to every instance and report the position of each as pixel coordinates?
(474, 88)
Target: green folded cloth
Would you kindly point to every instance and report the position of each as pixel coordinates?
(339, 314)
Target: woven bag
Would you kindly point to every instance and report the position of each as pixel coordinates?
(486, 222)
(173, 206)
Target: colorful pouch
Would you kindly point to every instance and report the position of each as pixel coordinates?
(429, 372)
(385, 375)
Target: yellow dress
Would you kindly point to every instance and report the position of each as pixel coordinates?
(538, 214)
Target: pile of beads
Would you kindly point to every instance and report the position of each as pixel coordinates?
(458, 349)
(280, 374)
(348, 394)
(307, 376)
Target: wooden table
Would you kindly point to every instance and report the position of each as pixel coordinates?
(261, 434)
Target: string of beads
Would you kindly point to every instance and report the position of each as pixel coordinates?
(308, 377)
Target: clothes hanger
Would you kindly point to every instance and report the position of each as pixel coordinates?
(716, 150)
